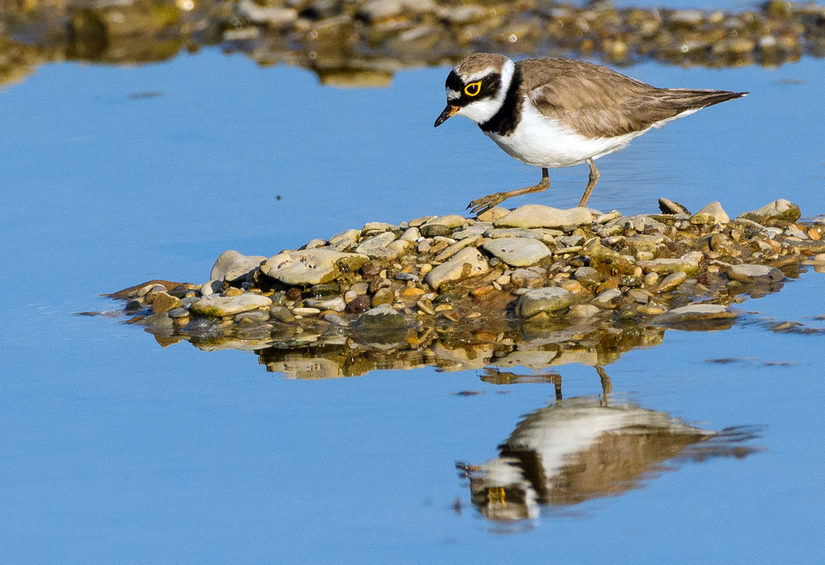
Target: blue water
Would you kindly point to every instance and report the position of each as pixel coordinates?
(113, 449)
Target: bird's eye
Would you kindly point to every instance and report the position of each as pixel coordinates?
(473, 88)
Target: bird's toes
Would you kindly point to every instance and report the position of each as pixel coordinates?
(483, 204)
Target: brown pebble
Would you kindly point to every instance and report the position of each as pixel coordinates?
(359, 304)
(481, 291)
(293, 293)
(370, 270)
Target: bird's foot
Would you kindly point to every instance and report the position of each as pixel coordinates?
(481, 205)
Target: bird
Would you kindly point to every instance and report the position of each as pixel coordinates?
(555, 112)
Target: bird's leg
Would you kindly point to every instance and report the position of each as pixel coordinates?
(591, 182)
(485, 203)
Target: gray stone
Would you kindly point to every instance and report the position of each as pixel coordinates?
(587, 276)
(607, 298)
(344, 240)
(381, 320)
(775, 212)
(687, 263)
(695, 313)
(543, 234)
(231, 266)
(764, 274)
(583, 311)
(282, 314)
(517, 251)
(468, 262)
(711, 214)
(252, 316)
(376, 246)
(530, 278)
(538, 216)
(548, 299)
(211, 287)
(311, 266)
(336, 303)
(229, 305)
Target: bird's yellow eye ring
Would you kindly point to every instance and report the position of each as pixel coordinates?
(473, 88)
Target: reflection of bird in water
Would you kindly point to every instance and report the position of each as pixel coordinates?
(582, 448)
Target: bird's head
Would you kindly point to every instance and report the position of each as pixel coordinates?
(476, 87)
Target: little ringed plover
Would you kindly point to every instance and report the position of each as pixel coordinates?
(561, 112)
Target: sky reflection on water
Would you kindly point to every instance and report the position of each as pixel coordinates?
(117, 450)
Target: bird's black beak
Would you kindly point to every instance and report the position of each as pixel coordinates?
(448, 111)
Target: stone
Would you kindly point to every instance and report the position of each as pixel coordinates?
(468, 262)
(344, 240)
(695, 313)
(778, 211)
(538, 216)
(163, 302)
(361, 303)
(305, 311)
(543, 234)
(755, 274)
(381, 319)
(547, 299)
(337, 303)
(493, 214)
(671, 281)
(231, 266)
(383, 296)
(711, 214)
(229, 305)
(454, 248)
(605, 259)
(274, 16)
(530, 278)
(375, 247)
(211, 287)
(252, 316)
(607, 298)
(311, 266)
(517, 251)
(583, 311)
(587, 276)
(668, 206)
(688, 263)
(435, 230)
(282, 314)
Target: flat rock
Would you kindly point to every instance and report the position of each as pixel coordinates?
(711, 214)
(311, 266)
(469, 262)
(517, 251)
(231, 265)
(538, 216)
(755, 273)
(229, 305)
(376, 247)
(163, 302)
(695, 313)
(773, 213)
(687, 263)
(548, 299)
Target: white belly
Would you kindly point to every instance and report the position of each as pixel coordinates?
(544, 142)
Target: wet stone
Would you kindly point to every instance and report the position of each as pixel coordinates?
(755, 274)
(547, 299)
(359, 304)
(163, 302)
(383, 296)
(229, 305)
(696, 312)
(252, 316)
(336, 303)
(282, 314)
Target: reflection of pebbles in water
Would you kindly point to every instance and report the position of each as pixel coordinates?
(582, 448)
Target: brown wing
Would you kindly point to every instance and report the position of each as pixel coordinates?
(599, 102)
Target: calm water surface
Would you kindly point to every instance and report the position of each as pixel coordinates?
(116, 450)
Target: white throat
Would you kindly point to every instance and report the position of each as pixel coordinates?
(482, 110)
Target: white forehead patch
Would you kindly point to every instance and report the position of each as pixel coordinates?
(453, 94)
(479, 75)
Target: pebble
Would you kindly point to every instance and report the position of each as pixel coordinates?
(778, 211)
(311, 266)
(538, 216)
(517, 251)
(694, 313)
(713, 213)
(383, 296)
(607, 298)
(755, 273)
(231, 266)
(547, 299)
(163, 302)
(359, 304)
(466, 263)
(229, 305)
(671, 281)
